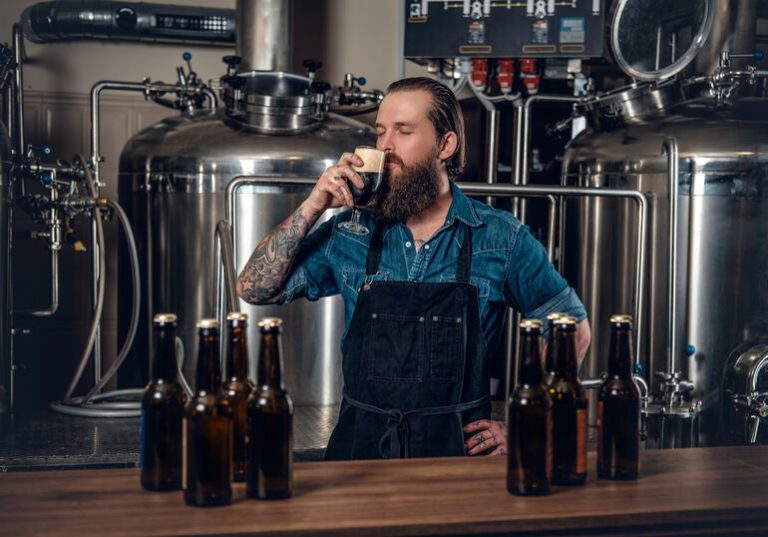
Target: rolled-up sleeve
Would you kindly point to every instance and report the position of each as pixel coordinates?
(533, 286)
(312, 276)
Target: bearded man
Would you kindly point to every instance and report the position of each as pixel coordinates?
(425, 293)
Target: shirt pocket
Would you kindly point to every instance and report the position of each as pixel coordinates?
(396, 348)
(353, 279)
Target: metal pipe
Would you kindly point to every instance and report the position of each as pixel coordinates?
(54, 246)
(18, 44)
(492, 149)
(54, 306)
(526, 128)
(213, 100)
(670, 149)
(263, 35)
(226, 258)
(480, 189)
(95, 116)
(517, 154)
(695, 240)
(492, 139)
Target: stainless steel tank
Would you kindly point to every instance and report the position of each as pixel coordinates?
(5, 291)
(721, 285)
(173, 176)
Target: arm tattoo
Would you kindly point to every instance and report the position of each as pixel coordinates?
(264, 276)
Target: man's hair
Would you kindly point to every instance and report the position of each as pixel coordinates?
(444, 113)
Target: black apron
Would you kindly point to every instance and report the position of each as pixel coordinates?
(415, 368)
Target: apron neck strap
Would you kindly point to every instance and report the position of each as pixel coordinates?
(374, 250)
(463, 267)
(465, 257)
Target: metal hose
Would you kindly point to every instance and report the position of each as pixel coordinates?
(84, 406)
(136, 302)
(101, 287)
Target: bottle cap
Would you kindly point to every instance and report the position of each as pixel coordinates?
(237, 316)
(530, 324)
(621, 318)
(164, 318)
(270, 322)
(554, 316)
(207, 324)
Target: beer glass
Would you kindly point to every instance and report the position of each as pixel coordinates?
(372, 174)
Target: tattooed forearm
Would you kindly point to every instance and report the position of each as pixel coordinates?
(263, 277)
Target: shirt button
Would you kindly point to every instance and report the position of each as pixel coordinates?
(426, 246)
(407, 244)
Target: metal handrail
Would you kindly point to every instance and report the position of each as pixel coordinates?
(224, 256)
(480, 189)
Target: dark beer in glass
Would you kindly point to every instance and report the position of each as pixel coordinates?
(372, 174)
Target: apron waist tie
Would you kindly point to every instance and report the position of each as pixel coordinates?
(397, 433)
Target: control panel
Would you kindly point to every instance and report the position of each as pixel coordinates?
(99, 19)
(504, 29)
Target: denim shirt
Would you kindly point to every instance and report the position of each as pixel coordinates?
(509, 266)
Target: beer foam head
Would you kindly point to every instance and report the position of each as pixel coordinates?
(373, 159)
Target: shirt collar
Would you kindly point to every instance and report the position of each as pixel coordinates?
(461, 209)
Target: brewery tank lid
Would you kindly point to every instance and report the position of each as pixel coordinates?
(653, 40)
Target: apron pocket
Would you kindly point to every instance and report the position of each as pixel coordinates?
(447, 343)
(397, 348)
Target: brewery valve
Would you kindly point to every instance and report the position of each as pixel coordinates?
(673, 387)
(724, 80)
(190, 92)
(352, 95)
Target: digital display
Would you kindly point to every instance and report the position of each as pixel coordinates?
(193, 23)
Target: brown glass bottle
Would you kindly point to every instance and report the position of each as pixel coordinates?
(269, 469)
(549, 359)
(237, 387)
(529, 462)
(208, 428)
(569, 410)
(162, 412)
(618, 408)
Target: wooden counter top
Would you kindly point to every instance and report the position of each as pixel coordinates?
(705, 491)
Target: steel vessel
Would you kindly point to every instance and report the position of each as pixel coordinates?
(173, 176)
(709, 239)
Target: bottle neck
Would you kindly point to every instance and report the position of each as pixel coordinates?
(237, 354)
(550, 358)
(530, 363)
(270, 370)
(208, 366)
(566, 364)
(620, 357)
(164, 364)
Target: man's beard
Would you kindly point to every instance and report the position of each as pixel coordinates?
(414, 191)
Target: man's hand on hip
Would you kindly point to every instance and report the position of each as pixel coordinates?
(486, 435)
